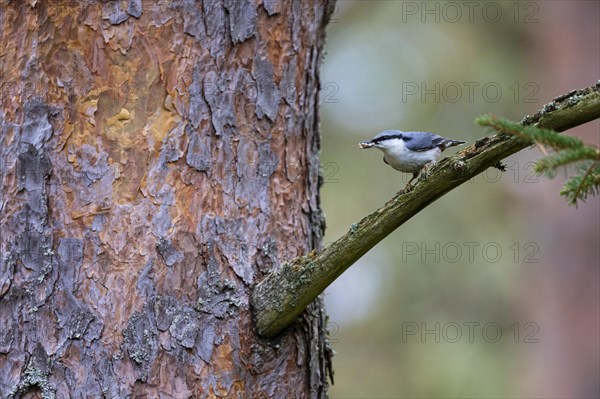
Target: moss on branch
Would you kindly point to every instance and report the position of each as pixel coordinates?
(283, 294)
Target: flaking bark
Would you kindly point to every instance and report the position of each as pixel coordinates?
(156, 158)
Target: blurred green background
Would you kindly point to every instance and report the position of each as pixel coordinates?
(503, 254)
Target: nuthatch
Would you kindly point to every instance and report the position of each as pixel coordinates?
(409, 152)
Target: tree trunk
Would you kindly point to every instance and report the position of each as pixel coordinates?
(157, 159)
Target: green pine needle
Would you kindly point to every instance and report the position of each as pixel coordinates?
(550, 163)
(584, 184)
(569, 150)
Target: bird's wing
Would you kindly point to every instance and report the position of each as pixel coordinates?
(423, 141)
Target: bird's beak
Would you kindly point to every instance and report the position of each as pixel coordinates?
(365, 144)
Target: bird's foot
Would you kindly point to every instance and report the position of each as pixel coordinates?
(426, 171)
(408, 188)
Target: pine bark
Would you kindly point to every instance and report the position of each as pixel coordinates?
(157, 159)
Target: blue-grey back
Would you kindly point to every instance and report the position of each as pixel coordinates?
(423, 141)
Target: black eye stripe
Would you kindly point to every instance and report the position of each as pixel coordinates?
(389, 137)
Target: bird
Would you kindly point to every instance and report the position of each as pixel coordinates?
(409, 152)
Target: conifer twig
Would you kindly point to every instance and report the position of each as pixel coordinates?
(582, 183)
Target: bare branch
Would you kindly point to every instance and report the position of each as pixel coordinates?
(283, 294)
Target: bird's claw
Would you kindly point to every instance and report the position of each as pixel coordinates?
(407, 189)
(426, 171)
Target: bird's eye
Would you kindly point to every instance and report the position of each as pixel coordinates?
(406, 138)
